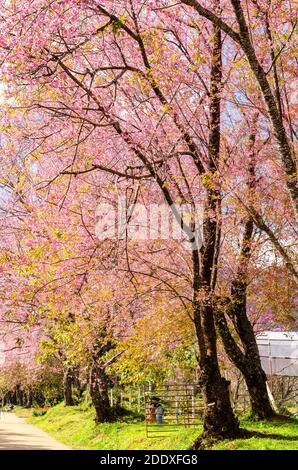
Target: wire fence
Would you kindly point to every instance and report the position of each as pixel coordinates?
(170, 407)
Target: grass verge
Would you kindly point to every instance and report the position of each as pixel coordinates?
(75, 427)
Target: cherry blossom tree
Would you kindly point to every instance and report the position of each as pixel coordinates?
(143, 98)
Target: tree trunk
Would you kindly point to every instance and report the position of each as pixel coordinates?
(29, 399)
(219, 419)
(251, 369)
(18, 399)
(98, 389)
(247, 359)
(249, 364)
(260, 403)
(77, 382)
(67, 386)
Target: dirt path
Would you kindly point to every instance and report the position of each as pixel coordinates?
(16, 434)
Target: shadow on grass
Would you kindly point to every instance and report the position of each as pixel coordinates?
(264, 435)
(274, 422)
(209, 442)
(122, 414)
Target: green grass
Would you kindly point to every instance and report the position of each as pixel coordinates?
(75, 427)
(275, 435)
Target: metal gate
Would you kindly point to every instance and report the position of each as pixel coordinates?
(170, 407)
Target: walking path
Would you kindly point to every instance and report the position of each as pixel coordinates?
(16, 434)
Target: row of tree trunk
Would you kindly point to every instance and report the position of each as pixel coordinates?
(18, 397)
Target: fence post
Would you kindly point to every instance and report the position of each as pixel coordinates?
(193, 402)
(139, 400)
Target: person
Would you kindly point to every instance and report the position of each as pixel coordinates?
(159, 413)
(9, 407)
(152, 409)
(152, 413)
